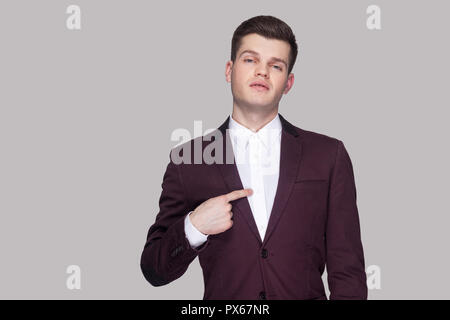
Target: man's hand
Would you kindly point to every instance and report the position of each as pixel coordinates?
(214, 215)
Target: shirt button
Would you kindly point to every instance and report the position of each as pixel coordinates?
(264, 253)
(262, 295)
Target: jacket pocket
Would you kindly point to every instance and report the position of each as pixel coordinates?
(310, 181)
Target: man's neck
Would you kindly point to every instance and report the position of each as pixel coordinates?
(253, 120)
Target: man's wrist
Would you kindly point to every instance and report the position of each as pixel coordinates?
(195, 237)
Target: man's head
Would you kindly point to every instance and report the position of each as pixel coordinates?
(263, 50)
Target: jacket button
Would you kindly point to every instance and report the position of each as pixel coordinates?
(262, 295)
(264, 253)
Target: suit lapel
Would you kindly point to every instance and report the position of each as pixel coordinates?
(290, 155)
(291, 149)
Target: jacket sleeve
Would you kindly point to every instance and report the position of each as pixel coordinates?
(345, 257)
(167, 252)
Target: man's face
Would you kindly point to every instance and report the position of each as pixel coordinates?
(259, 60)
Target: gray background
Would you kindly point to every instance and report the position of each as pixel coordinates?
(86, 118)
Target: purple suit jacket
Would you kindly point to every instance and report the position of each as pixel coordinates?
(314, 222)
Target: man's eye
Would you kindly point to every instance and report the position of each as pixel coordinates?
(278, 67)
(245, 60)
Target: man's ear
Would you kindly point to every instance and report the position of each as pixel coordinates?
(228, 70)
(289, 83)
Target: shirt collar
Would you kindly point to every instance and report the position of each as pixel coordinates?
(266, 134)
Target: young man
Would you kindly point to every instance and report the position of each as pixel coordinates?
(266, 226)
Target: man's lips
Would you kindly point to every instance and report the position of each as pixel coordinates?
(259, 86)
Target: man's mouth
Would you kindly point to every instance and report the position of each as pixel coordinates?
(258, 86)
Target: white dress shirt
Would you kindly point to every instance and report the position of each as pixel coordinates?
(257, 157)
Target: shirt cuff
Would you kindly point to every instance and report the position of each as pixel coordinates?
(195, 237)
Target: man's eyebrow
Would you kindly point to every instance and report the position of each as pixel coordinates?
(257, 54)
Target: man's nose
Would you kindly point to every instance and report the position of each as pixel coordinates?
(261, 71)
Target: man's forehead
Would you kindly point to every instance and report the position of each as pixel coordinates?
(258, 45)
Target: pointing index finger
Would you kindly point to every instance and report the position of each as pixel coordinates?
(237, 194)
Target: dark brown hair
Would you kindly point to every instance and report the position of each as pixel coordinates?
(268, 27)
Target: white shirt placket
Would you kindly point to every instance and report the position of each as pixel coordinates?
(258, 201)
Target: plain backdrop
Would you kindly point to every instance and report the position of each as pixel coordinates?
(86, 118)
